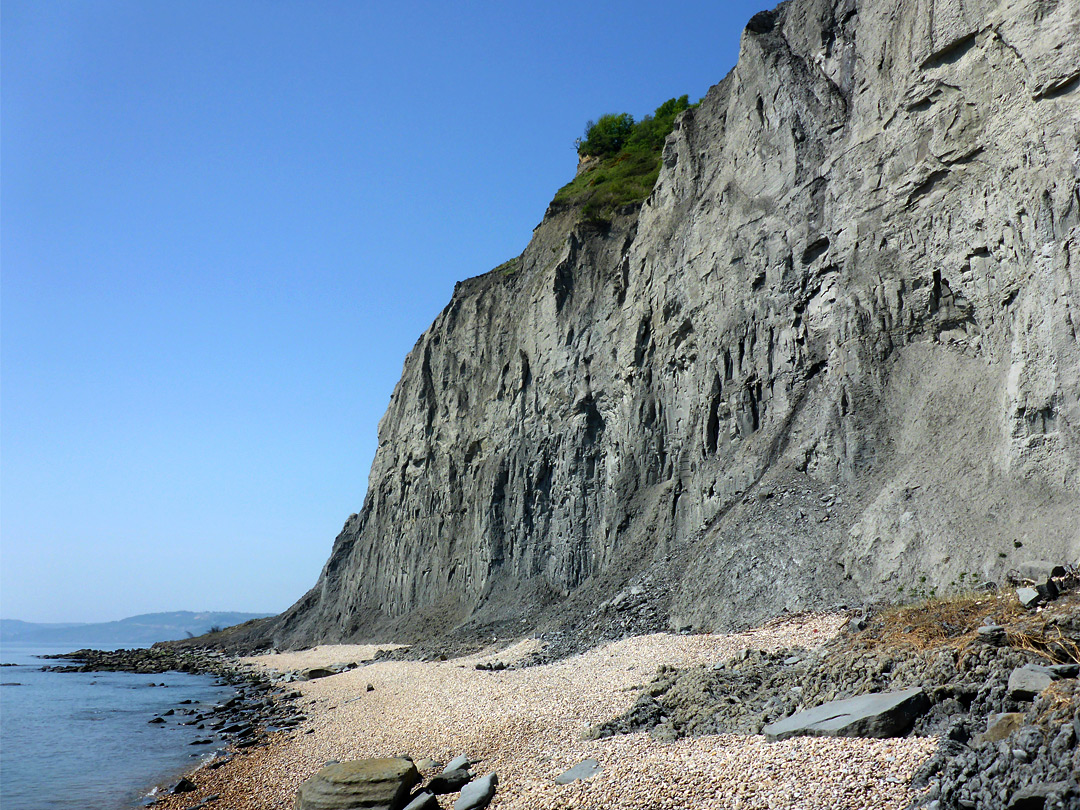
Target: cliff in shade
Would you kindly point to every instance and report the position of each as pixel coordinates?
(834, 353)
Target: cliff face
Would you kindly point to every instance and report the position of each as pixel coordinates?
(834, 352)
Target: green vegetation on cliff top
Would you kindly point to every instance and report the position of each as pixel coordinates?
(626, 157)
(626, 162)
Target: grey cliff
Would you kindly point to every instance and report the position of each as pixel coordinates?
(834, 352)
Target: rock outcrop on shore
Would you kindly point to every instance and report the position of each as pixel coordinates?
(833, 355)
(1005, 707)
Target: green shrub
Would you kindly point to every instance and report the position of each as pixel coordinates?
(629, 154)
(651, 130)
(607, 136)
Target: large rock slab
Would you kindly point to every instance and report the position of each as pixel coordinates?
(371, 784)
(457, 763)
(884, 714)
(1035, 570)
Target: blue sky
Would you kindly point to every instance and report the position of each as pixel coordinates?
(224, 225)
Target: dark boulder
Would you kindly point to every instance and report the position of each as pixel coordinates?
(183, 786)
(449, 781)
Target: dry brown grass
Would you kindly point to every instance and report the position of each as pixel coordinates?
(1049, 642)
(953, 622)
(941, 622)
(1057, 700)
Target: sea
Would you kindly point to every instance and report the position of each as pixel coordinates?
(83, 739)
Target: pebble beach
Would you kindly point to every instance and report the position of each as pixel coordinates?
(526, 724)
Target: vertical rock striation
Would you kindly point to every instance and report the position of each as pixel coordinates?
(833, 353)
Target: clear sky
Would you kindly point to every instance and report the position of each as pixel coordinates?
(224, 225)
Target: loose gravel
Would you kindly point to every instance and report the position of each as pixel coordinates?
(527, 723)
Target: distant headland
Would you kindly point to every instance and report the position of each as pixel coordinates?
(146, 628)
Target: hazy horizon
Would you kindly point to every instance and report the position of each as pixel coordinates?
(78, 623)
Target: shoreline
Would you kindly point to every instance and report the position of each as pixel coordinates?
(90, 730)
(527, 723)
(676, 720)
(257, 707)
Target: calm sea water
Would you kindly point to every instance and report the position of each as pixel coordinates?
(82, 739)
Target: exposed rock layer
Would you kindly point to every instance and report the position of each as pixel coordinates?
(835, 351)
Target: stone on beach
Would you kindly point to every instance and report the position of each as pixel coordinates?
(1029, 680)
(373, 784)
(477, 794)
(887, 714)
(457, 763)
(449, 781)
(423, 801)
(185, 785)
(583, 770)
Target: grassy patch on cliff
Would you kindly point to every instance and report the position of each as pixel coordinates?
(614, 182)
(626, 160)
(509, 267)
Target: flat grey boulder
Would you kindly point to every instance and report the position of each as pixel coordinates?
(1035, 570)
(583, 770)
(477, 794)
(1027, 681)
(423, 801)
(882, 714)
(457, 764)
(372, 784)
(1029, 597)
(316, 672)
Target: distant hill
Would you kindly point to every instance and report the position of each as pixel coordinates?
(136, 630)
